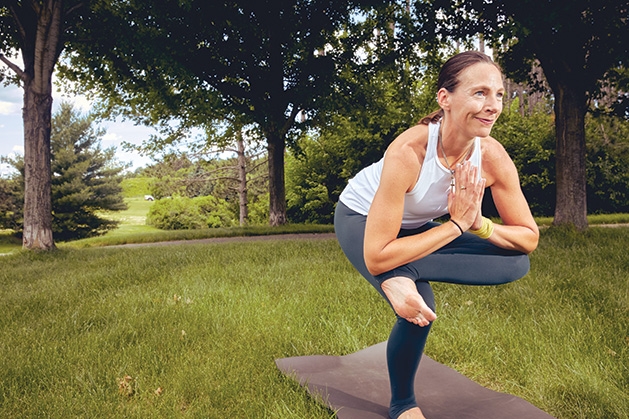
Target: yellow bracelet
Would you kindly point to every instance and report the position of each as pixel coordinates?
(486, 229)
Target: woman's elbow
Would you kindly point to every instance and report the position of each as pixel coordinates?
(373, 269)
(532, 242)
(374, 265)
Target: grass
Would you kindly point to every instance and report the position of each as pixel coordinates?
(8, 242)
(196, 328)
(593, 219)
(203, 323)
(559, 338)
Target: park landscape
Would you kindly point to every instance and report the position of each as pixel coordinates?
(114, 305)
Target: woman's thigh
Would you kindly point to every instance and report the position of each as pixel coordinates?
(466, 260)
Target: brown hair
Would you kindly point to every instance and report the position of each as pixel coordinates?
(449, 76)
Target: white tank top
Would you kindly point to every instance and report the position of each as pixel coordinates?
(429, 197)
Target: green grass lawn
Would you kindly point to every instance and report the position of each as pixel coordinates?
(196, 328)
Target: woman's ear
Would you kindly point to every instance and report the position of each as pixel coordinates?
(443, 98)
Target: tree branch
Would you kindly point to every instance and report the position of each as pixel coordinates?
(291, 119)
(19, 15)
(251, 169)
(75, 7)
(36, 7)
(13, 67)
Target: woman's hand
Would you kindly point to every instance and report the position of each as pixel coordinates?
(464, 202)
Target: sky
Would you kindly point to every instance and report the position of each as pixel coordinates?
(12, 133)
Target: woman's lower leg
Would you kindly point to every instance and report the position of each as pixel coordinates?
(404, 350)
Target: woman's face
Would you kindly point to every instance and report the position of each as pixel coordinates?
(476, 102)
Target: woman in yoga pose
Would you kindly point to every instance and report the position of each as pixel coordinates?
(383, 220)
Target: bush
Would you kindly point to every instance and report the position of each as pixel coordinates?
(216, 211)
(258, 210)
(182, 213)
(607, 161)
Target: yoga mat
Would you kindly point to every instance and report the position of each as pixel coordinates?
(356, 386)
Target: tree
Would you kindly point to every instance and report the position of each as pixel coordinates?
(264, 61)
(580, 45)
(85, 178)
(38, 29)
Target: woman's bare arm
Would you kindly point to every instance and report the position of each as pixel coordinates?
(518, 230)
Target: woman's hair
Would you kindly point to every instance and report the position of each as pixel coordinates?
(449, 76)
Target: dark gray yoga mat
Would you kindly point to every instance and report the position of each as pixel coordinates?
(356, 386)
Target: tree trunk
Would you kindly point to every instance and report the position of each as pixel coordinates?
(277, 189)
(242, 179)
(41, 45)
(37, 173)
(571, 205)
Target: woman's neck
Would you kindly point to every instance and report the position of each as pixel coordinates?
(454, 148)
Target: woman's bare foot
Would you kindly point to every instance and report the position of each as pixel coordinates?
(414, 413)
(407, 302)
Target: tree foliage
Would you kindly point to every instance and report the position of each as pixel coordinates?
(263, 61)
(607, 162)
(85, 177)
(367, 112)
(11, 201)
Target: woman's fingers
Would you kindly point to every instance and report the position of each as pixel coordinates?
(466, 178)
(465, 201)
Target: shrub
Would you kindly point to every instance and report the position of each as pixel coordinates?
(182, 213)
(216, 211)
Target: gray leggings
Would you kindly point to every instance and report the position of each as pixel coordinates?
(466, 260)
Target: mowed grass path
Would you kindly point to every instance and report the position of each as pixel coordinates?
(195, 329)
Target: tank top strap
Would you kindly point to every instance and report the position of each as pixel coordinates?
(433, 138)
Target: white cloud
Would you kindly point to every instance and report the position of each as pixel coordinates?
(112, 137)
(80, 103)
(9, 108)
(6, 170)
(18, 149)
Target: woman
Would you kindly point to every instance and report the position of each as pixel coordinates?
(383, 220)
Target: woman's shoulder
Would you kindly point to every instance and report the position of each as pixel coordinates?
(404, 158)
(413, 139)
(496, 161)
(492, 149)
